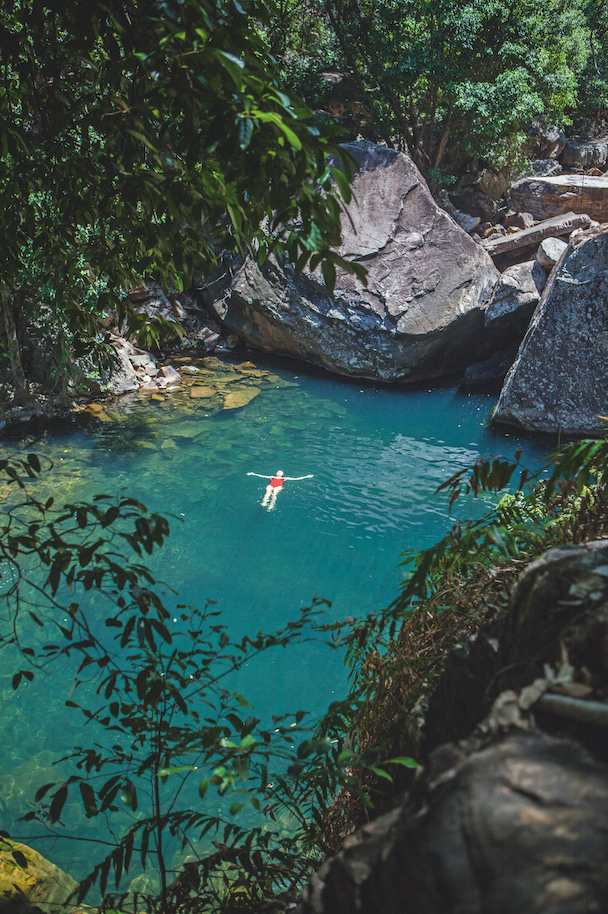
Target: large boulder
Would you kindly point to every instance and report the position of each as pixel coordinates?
(559, 381)
(511, 824)
(559, 194)
(516, 296)
(585, 153)
(421, 315)
(510, 813)
(507, 317)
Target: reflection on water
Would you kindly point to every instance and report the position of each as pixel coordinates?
(377, 456)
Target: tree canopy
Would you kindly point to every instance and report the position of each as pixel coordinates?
(465, 76)
(139, 138)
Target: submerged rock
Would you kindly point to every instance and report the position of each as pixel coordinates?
(241, 397)
(202, 393)
(419, 317)
(559, 380)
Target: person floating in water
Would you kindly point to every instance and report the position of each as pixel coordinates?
(275, 485)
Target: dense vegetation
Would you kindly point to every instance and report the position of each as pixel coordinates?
(451, 81)
(455, 588)
(142, 139)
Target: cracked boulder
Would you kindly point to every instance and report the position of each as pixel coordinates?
(559, 381)
(421, 315)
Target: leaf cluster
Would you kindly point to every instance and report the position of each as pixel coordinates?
(175, 752)
(451, 589)
(141, 140)
(457, 79)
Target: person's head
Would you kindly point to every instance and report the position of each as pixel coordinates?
(279, 473)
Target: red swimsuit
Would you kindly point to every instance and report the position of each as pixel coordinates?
(276, 482)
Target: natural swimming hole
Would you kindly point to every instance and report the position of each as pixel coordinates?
(376, 456)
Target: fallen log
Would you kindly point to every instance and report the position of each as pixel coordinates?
(532, 237)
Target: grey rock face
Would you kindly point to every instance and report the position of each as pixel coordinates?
(488, 831)
(585, 153)
(560, 377)
(559, 194)
(549, 140)
(489, 375)
(545, 168)
(519, 287)
(467, 223)
(421, 314)
(549, 252)
(121, 377)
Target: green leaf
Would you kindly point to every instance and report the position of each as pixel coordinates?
(329, 275)
(128, 795)
(231, 57)
(314, 241)
(380, 773)
(245, 132)
(57, 804)
(42, 791)
(34, 462)
(343, 185)
(20, 859)
(305, 748)
(88, 799)
(345, 756)
(175, 769)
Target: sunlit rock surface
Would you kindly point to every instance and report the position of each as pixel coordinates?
(516, 296)
(559, 381)
(421, 315)
(563, 193)
(31, 883)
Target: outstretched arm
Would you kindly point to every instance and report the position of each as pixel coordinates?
(296, 478)
(260, 475)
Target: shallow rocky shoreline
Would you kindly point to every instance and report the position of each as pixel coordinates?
(450, 298)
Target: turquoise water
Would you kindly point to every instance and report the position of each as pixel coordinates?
(376, 455)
